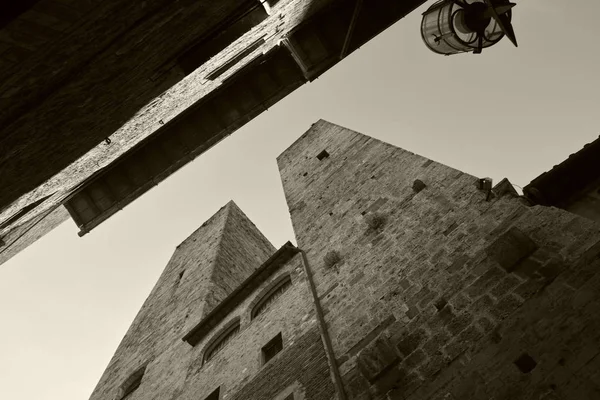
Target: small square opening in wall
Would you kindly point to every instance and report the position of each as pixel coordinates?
(525, 363)
(271, 349)
(131, 384)
(322, 155)
(214, 395)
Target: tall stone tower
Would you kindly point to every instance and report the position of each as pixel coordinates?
(412, 281)
(435, 285)
(202, 272)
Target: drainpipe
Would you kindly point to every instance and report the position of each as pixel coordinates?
(333, 367)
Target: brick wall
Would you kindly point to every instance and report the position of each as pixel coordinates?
(237, 368)
(215, 260)
(587, 204)
(179, 300)
(443, 290)
(242, 249)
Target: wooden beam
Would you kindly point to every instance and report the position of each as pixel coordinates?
(297, 57)
(350, 31)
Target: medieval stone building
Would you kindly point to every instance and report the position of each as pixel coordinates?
(102, 102)
(410, 280)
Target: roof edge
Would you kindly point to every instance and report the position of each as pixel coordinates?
(281, 256)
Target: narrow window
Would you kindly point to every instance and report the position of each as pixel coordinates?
(322, 155)
(271, 349)
(221, 341)
(214, 395)
(290, 397)
(131, 384)
(272, 295)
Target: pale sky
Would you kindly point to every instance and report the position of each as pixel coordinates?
(66, 301)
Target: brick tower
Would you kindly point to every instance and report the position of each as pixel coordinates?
(229, 318)
(434, 285)
(204, 269)
(412, 281)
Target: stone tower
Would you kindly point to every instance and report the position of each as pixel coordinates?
(435, 285)
(203, 271)
(412, 281)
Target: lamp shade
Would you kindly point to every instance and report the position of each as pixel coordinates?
(452, 27)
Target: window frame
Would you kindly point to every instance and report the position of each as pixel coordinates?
(264, 300)
(276, 340)
(220, 340)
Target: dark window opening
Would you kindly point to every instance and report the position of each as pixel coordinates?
(270, 297)
(322, 155)
(214, 395)
(245, 18)
(525, 363)
(179, 277)
(221, 341)
(132, 383)
(290, 397)
(272, 348)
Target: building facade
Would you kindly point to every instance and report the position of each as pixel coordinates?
(188, 73)
(410, 280)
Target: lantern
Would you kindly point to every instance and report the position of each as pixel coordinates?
(460, 26)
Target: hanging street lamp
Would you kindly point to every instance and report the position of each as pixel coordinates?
(460, 26)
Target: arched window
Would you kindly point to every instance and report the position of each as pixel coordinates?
(132, 383)
(268, 298)
(219, 342)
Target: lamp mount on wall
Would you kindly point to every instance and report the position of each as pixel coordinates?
(460, 26)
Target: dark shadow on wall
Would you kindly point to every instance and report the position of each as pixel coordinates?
(52, 115)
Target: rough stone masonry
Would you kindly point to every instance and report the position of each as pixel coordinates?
(411, 280)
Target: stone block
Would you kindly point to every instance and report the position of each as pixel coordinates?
(511, 248)
(412, 341)
(377, 358)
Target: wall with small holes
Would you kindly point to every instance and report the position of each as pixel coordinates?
(434, 287)
(205, 269)
(239, 368)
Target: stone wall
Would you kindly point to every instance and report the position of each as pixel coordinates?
(238, 368)
(587, 203)
(180, 299)
(206, 269)
(242, 249)
(442, 290)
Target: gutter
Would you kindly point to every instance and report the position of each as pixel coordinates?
(333, 367)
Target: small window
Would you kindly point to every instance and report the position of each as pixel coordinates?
(214, 395)
(221, 341)
(290, 397)
(271, 349)
(322, 155)
(131, 384)
(272, 295)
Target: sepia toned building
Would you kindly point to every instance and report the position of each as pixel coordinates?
(410, 280)
(101, 102)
